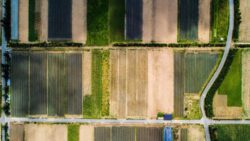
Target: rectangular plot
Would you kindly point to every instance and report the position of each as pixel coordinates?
(20, 84)
(86, 77)
(178, 84)
(23, 22)
(184, 134)
(102, 134)
(123, 134)
(16, 132)
(188, 19)
(38, 83)
(122, 84)
(131, 84)
(134, 19)
(74, 83)
(149, 134)
(60, 14)
(142, 83)
(57, 79)
(114, 82)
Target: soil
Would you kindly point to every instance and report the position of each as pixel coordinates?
(244, 33)
(204, 20)
(87, 59)
(43, 29)
(196, 133)
(246, 82)
(86, 133)
(16, 132)
(23, 20)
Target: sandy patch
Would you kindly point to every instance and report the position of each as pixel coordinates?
(196, 133)
(43, 29)
(86, 133)
(246, 82)
(160, 82)
(204, 20)
(23, 21)
(87, 57)
(36, 132)
(221, 110)
(79, 18)
(16, 132)
(244, 33)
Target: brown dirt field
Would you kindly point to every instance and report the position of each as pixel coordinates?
(42, 132)
(86, 133)
(204, 20)
(114, 90)
(142, 82)
(246, 82)
(244, 33)
(43, 29)
(165, 21)
(79, 24)
(132, 85)
(16, 132)
(160, 81)
(122, 84)
(147, 21)
(86, 66)
(196, 133)
(23, 24)
(221, 110)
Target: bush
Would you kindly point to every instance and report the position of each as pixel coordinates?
(237, 19)
(45, 44)
(160, 114)
(6, 21)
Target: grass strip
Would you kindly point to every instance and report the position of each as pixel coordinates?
(73, 132)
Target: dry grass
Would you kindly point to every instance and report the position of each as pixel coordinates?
(246, 82)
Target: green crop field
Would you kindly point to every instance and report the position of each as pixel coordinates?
(97, 22)
(96, 105)
(231, 85)
(116, 20)
(33, 35)
(230, 132)
(220, 19)
(73, 132)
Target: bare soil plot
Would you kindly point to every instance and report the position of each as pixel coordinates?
(86, 77)
(204, 20)
(246, 82)
(196, 133)
(42, 132)
(23, 22)
(159, 22)
(86, 133)
(221, 110)
(43, 28)
(244, 33)
(79, 21)
(160, 81)
(16, 132)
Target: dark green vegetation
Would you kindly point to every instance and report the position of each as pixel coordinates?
(6, 20)
(230, 132)
(33, 35)
(116, 20)
(231, 85)
(98, 24)
(73, 132)
(237, 19)
(128, 133)
(192, 70)
(188, 20)
(55, 85)
(96, 105)
(218, 83)
(220, 20)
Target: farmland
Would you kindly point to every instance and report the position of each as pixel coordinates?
(188, 20)
(244, 31)
(189, 79)
(245, 82)
(230, 132)
(73, 132)
(204, 20)
(24, 23)
(220, 20)
(97, 25)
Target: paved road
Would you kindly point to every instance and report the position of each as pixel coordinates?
(217, 72)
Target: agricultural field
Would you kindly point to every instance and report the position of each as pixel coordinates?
(230, 132)
(38, 20)
(244, 32)
(189, 79)
(189, 133)
(159, 22)
(188, 20)
(245, 82)
(220, 20)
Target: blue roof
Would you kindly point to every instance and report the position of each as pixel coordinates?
(167, 135)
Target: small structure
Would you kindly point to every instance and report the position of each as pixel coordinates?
(168, 117)
(167, 134)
